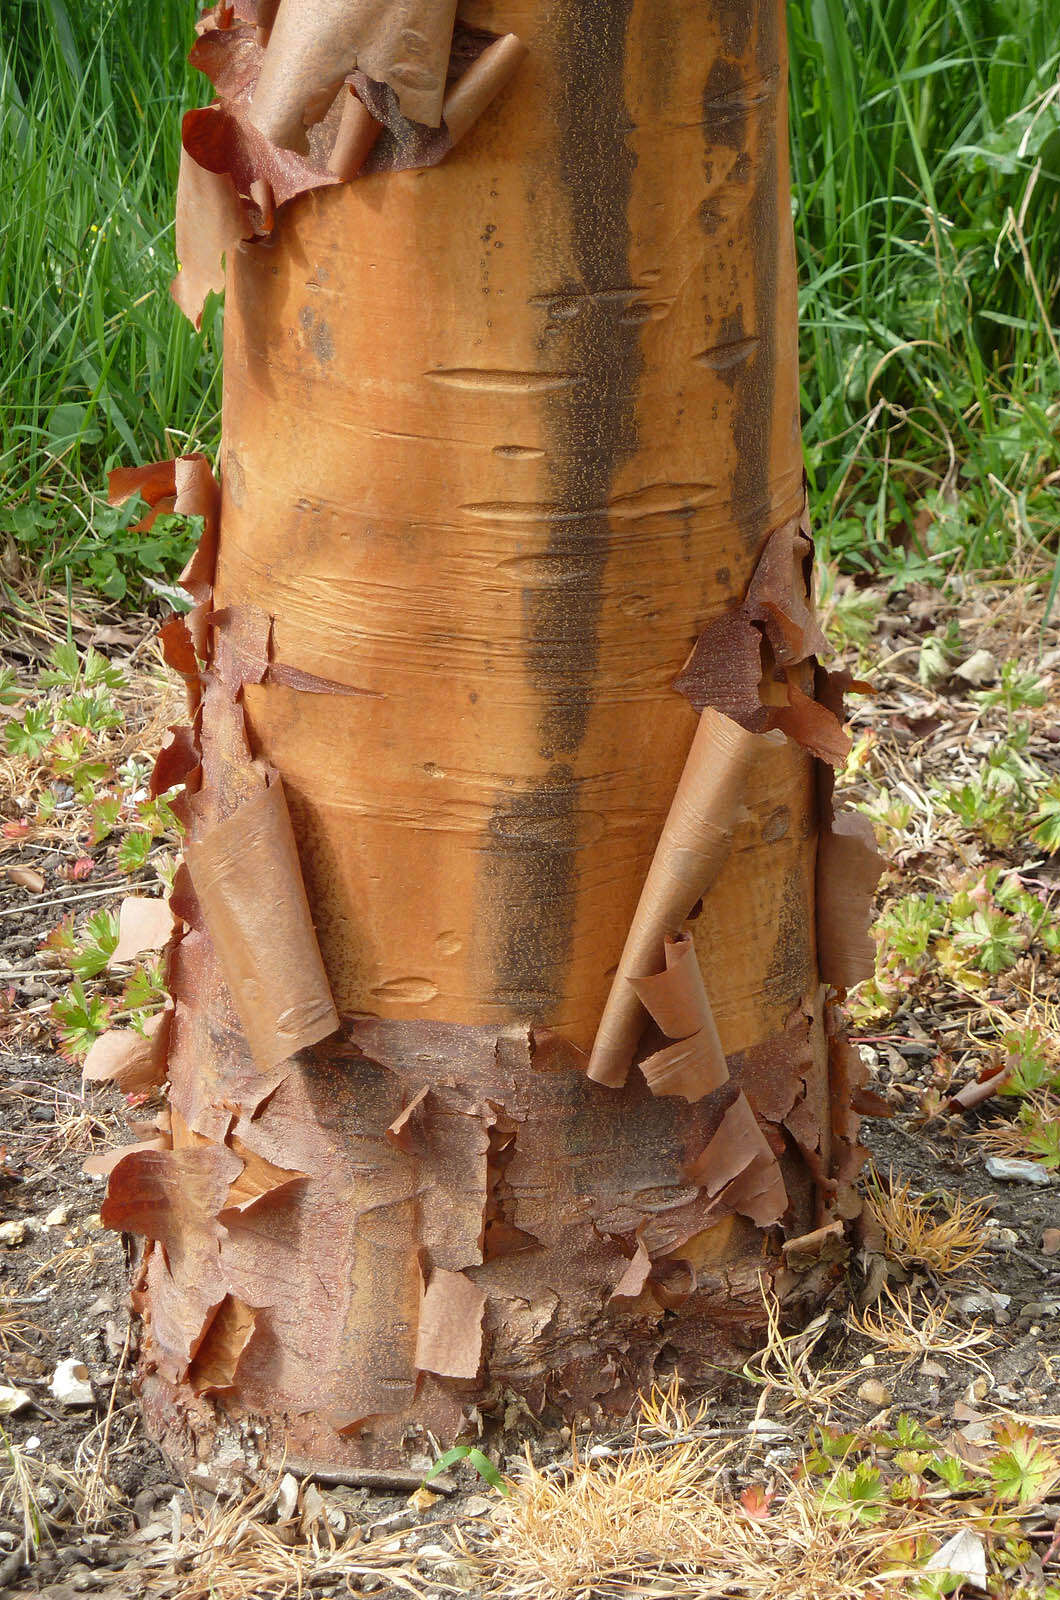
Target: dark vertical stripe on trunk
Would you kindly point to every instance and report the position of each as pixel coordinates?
(588, 330)
(753, 413)
(593, 424)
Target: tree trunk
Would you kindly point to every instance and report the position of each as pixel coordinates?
(509, 440)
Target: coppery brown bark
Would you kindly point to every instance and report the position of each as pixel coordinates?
(511, 442)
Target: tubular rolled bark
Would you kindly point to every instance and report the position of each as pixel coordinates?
(501, 439)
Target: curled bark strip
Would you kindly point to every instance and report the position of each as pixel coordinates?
(677, 1001)
(449, 1337)
(355, 140)
(131, 1061)
(848, 869)
(482, 83)
(315, 42)
(210, 223)
(248, 882)
(283, 124)
(738, 1167)
(216, 1361)
(693, 844)
(980, 1090)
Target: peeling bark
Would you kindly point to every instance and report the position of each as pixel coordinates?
(501, 1058)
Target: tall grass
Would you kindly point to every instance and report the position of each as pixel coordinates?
(96, 364)
(926, 157)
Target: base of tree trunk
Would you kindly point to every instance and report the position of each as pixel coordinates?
(530, 1234)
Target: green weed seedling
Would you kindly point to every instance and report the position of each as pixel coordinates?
(475, 1458)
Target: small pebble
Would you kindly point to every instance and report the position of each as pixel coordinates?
(982, 1302)
(980, 667)
(1011, 1169)
(874, 1392)
(12, 1233)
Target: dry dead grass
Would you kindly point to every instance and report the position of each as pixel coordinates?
(667, 1523)
(15, 1326)
(784, 1368)
(912, 1328)
(943, 1234)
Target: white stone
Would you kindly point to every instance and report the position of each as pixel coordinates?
(12, 1400)
(12, 1233)
(58, 1217)
(980, 667)
(1011, 1169)
(70, 1383)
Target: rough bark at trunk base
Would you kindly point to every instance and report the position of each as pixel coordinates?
(510, 445)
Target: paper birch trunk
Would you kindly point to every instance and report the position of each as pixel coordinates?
(495, 1069)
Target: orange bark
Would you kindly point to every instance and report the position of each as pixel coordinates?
(504, 437)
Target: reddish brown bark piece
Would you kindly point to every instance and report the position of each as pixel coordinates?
(222, 142)
(173, 1196)
(259, 1177)
(771, 1074)
(848, 869)
(210, 223)
(103, 1163)
(315, 43)
(409, 1131)
(449, 1338)
(725, 666)
(980, 1090)
(154, 482)
(143, 925)
(812, 725)
(690, 852)
(176, 761)
(217, 1358)
(677, 1002)
(178, 650)
(738, 1167)
(724, 670)
(249, 884)
(130, 1060)
(778, 597)
(634, 1276)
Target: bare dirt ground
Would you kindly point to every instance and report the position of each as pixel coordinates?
(908, 1443)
